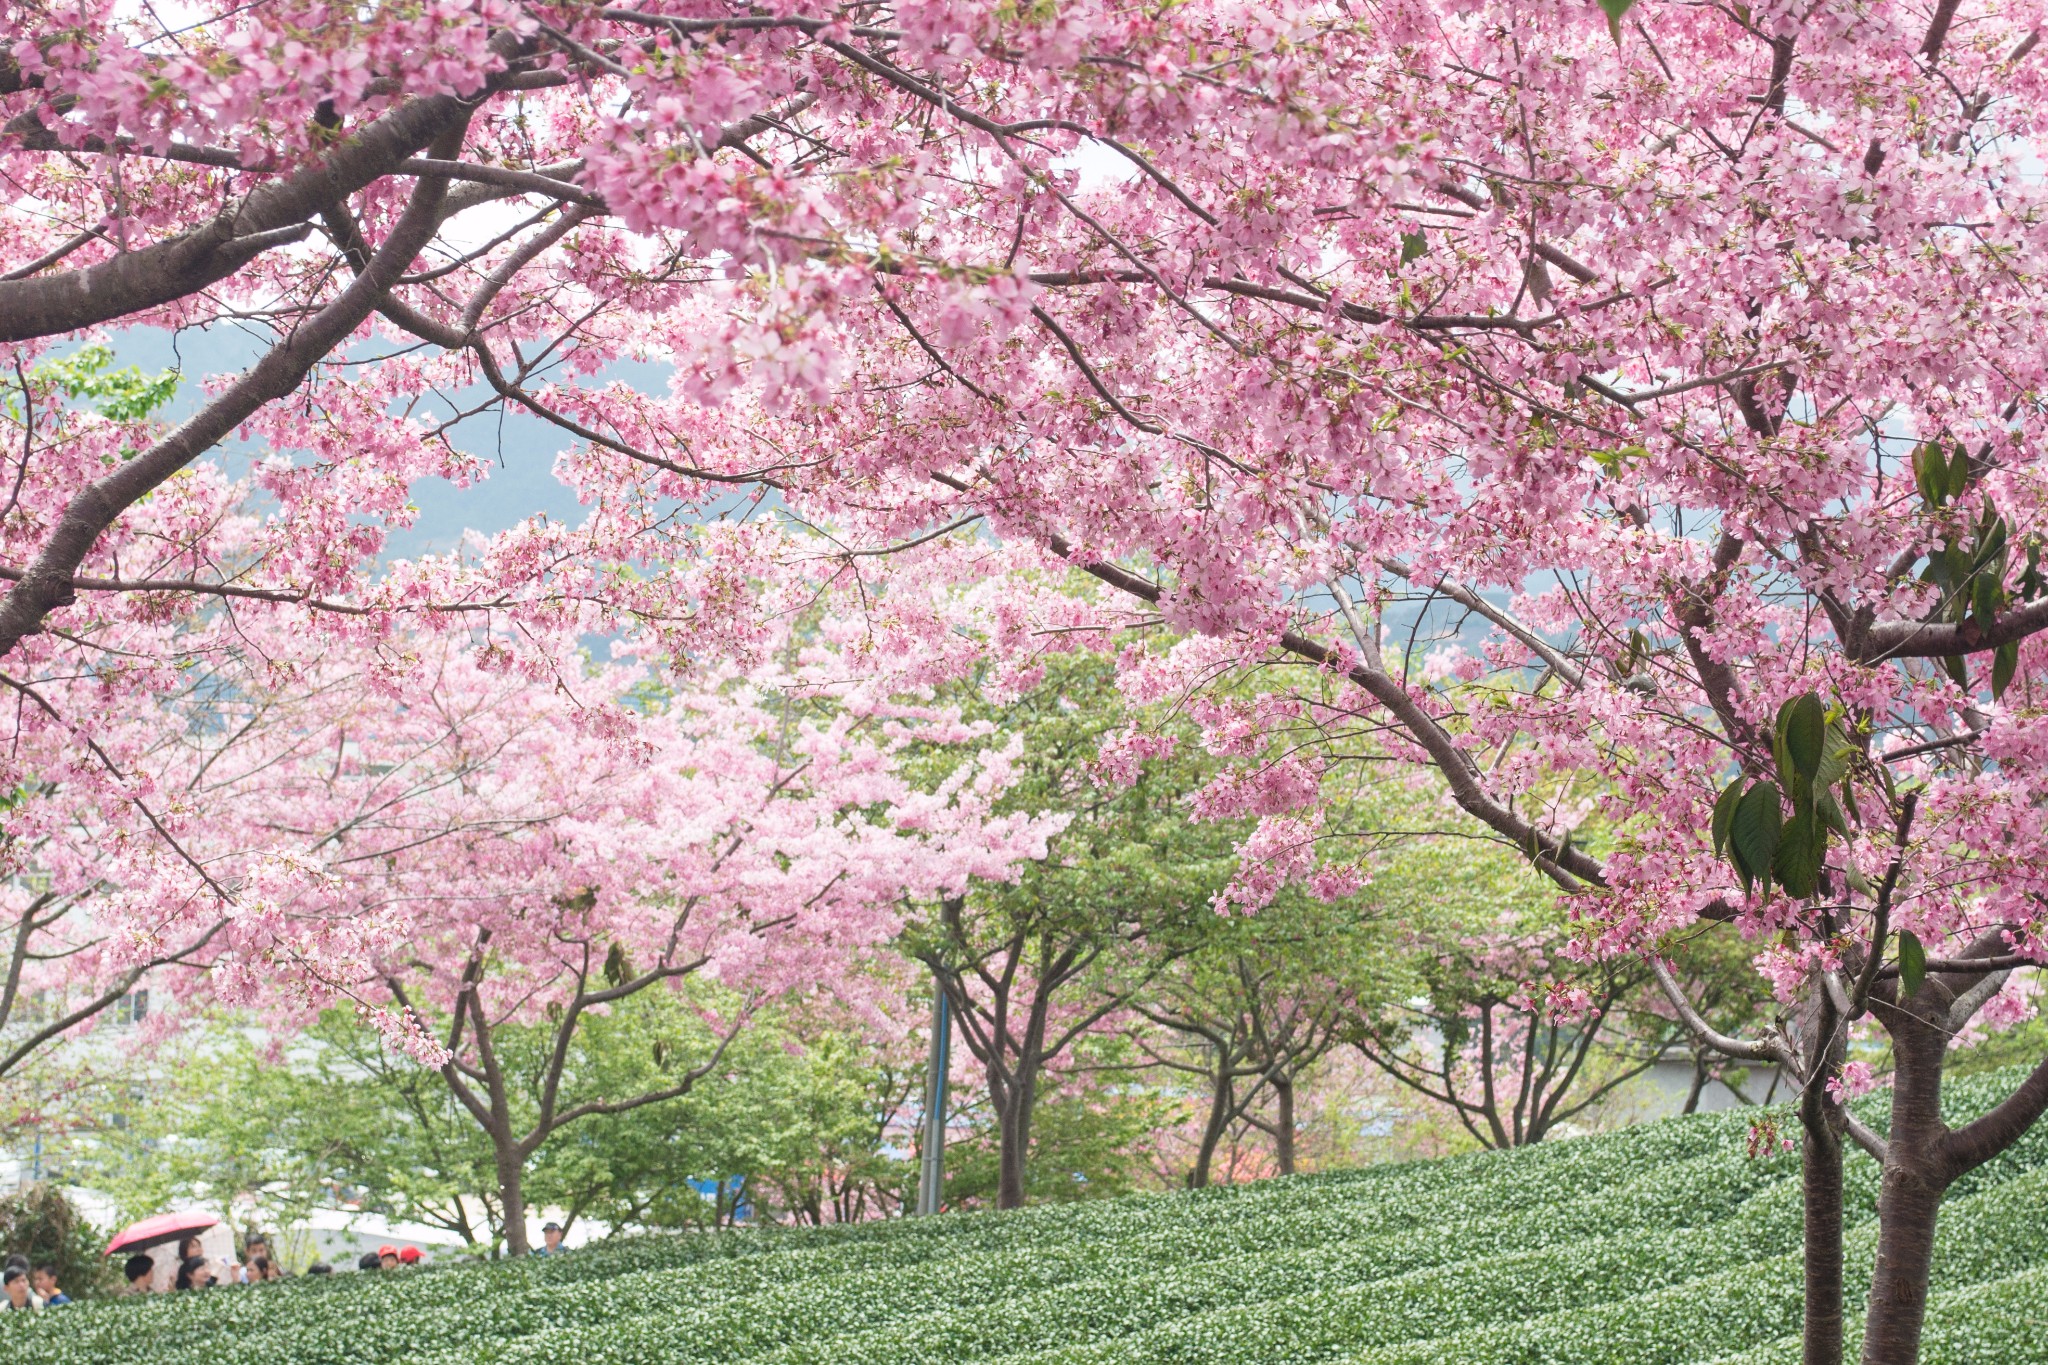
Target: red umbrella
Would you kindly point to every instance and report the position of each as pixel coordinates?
(165, 1227)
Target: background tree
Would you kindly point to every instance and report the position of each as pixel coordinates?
(1095, 1122)
(794, 841)
(1032, 967)
(1253, 1010)
(333, 1115)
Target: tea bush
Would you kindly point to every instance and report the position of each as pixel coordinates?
(1664, 1244)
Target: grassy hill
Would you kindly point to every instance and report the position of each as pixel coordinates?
(1661, 1245)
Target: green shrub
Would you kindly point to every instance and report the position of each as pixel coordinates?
(39, 1222)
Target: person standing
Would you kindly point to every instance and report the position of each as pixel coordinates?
(195, 1273)
(139, 1270)
(43, 1280)
(550, 1240)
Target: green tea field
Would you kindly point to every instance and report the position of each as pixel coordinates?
(1665, 1244)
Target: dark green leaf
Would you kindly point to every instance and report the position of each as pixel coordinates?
(1957, 670)
(1912, 964)
(1986, 595)
(1803, 722)
(1413, 246)
(2004, 664)
(1958, 472)
(1834, 762)
(1724, 814)
(1802, 847)
(1830, 813)
(1930, 475)
(1754, 832)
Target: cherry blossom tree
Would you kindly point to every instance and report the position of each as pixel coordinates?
(1669, 364)
(570, 855)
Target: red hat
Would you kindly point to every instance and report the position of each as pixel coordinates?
(409, 1254)
(384, 1251)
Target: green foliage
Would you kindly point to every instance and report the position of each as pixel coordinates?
(801, 1120)
(1089, 1139)
(1969, 568)
(339, 1113)
(1659, 1245)
(38, 1222)
(123, 395)
(1813, 753)
(1130, 856)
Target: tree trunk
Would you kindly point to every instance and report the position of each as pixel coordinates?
(1283, 1123)
(1915, 1177)
(1823, 1123)
(1821, 1181)
(1016, 1136)
(512, 1195)
(1699, 1082)
(1212, 1133)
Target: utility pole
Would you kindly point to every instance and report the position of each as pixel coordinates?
(931, 1173)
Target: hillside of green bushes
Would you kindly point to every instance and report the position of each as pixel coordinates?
(1665, 1244)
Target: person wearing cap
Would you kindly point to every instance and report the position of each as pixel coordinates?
(408, 1255)
(550, 1239)
(387, 1257)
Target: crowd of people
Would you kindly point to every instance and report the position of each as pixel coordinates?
(28, 1287)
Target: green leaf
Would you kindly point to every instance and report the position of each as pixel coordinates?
(1930, 475)
(1754, 833)
(1803, 724)
(1992, 538)
(1830, 813)
(2004, 664)
(1414, 246)
(1724, 814)
(1834, 762)
(1986, 595)
(1912, 964)
(1802, 847)
(1958, 472)
(1957, 670)
(1857, 881)
(1614, 10)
